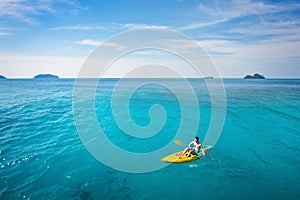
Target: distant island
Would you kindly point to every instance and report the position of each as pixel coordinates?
(208, 77)
(46, 76)
(2, 77)
(255, 76)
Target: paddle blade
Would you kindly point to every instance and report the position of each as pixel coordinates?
(179, 143)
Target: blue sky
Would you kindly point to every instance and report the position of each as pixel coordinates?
(241, 36)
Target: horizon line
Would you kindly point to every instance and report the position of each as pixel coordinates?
(145, 78)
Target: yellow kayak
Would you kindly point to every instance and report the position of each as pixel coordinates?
(175, 157)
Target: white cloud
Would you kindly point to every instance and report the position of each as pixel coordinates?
(23, 10)
(89, 42)
(200, 25)
(267, 43)
(277, 31)
(178, 44)
(81, 27)
(114, 45)
(27, 10)
(107, 27)
(238, 8)
(218, 46)
(275, 59)
(151, 67)
(216, 12)
(132, 26)
(3, 34)
(143, 52)
(96, 43)
(20, 66)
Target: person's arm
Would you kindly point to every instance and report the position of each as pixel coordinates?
(190, 145)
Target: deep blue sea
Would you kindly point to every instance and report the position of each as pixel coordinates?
(256, 157)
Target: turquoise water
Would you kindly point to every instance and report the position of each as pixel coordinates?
(257, 155)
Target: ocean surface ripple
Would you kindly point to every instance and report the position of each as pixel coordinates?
(257, 155)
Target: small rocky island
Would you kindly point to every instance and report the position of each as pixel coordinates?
(2, 77)
(255, 76)
(46, 76)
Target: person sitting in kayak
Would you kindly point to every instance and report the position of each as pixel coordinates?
(197, 146)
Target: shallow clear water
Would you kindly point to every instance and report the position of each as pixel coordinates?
(257, 155)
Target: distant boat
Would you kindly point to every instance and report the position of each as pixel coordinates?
(255, 76)
(208, 77)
